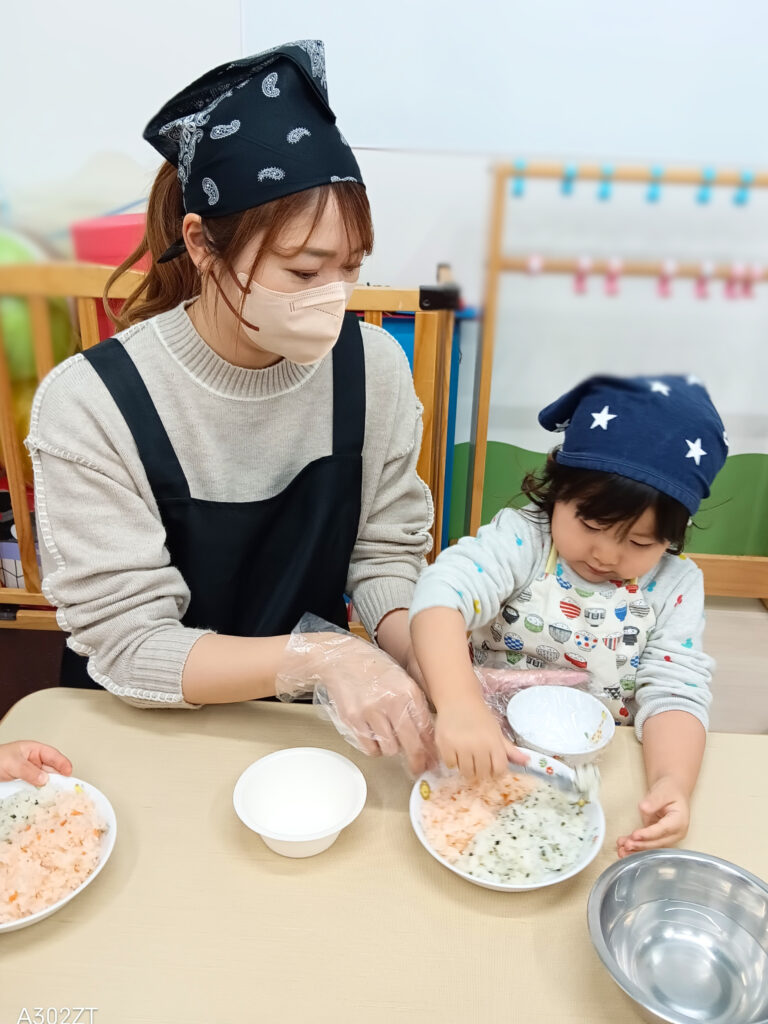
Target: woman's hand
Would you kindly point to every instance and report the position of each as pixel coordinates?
(373, 702)
(470, 738)
(31, 761)
(379, 709)
(665, 812)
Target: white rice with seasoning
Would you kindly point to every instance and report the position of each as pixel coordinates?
(540, 831)
(50, 841)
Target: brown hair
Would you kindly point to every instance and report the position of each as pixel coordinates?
(167, 284)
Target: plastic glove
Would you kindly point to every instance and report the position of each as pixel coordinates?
(373, 703)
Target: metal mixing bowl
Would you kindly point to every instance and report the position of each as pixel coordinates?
(685, 935)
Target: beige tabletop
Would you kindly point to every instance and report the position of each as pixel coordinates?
(194, 921)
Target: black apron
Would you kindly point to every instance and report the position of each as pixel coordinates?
(253, 567)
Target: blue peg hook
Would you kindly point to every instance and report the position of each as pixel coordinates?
(654, 188)
(570, 171)
(741, 198)
(704, 194)
(518, 182)
(606, 184)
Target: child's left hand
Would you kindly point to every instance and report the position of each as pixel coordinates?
(31, 761)
(665, 812)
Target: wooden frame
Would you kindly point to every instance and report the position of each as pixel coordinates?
(84, 285)
(724, 575)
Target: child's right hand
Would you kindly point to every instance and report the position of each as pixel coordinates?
(469, 738)
(31, 761)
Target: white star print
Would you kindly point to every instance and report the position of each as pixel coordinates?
(696, 451)
(725, 438)
(693, 379)
(560, 427)
(601, 418)
(660, 386)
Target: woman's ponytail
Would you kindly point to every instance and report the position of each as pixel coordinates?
(165, 285)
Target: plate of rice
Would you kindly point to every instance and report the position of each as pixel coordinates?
(511, 834)
(53, 842)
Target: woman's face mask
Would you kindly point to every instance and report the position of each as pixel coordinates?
(299, 326)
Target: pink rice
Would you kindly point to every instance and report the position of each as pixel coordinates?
(457, 810)
(48, 854)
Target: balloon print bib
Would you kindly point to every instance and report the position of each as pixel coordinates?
(553, 623)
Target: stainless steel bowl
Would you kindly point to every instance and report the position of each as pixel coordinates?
(685, 935)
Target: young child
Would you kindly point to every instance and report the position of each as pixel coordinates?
(31, 761)
(591, 575)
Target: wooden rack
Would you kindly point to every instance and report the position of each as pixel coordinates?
(724, 575)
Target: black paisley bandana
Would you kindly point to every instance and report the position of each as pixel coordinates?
(252, 131)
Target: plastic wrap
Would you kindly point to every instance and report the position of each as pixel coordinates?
(372, 702)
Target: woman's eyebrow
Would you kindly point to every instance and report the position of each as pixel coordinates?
(319, 252)
(326, 253)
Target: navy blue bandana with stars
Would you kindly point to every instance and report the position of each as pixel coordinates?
(252, 131)
(662, 431)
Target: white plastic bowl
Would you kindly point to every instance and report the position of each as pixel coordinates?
(560, 721)
(595, 821)
(106, 813)
(299, 799)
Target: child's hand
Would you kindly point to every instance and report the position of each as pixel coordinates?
(469, 738)
(31, 762)
(666, 815)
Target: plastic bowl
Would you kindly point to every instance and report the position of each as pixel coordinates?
(560, 721)
(299, 799)
(685, 935)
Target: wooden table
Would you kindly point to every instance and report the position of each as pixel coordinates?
(195, 921)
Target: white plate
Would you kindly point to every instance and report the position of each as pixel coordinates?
(592, 844)
(106, 813)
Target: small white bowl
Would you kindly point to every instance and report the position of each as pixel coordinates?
(299, 799)
(560, 721)
(105, 812)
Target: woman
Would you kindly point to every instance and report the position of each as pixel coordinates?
(243, 451)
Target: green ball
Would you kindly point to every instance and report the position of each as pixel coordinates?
(15, 319)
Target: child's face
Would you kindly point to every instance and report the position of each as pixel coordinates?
(598, 552)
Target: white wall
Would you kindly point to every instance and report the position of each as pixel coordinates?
(79, 80)
(655, 81)
(672, 78)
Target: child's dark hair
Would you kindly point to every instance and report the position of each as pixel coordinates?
(607, 498)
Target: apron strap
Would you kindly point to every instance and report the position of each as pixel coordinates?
(122, 379)
(349, 389)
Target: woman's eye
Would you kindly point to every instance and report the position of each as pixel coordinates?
(304, 275)
(588, 526)
(638, 544)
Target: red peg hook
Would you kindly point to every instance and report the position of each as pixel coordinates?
(581, 277)
(705, 275)
(666, 276)
(613, 277)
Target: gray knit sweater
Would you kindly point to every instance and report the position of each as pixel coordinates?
(240, 435)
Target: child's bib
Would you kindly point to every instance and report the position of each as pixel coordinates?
(601, 628)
